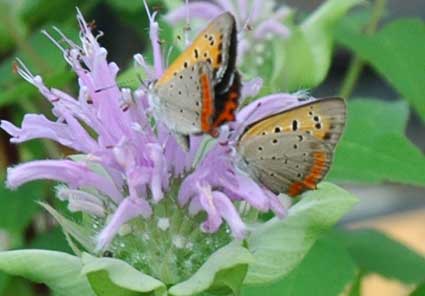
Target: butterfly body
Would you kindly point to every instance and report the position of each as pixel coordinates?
(199, 91)
(290, 152)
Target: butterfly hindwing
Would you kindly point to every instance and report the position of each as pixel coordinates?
(292, 151)
(289, 163)
(186, 102)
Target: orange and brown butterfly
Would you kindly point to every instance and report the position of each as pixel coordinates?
(200, 90)
(290, 152)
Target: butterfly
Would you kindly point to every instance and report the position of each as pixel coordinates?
(200, 90)
(290, 152)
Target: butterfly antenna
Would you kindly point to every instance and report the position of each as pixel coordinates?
(167, 59)
(105, 88)
(124, 84)
(186, 28)
(142, 82)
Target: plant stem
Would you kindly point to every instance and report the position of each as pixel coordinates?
(357, 64)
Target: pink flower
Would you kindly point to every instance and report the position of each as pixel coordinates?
(126, 165)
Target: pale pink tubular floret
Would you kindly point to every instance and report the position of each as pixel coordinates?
(154, 36)
(203, 10)
(67, 171)
(130, 208)
(81, 201)
(271, 27)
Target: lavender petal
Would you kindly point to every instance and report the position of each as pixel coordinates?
(128, 209)
(74, 174)
(202, 9)
(271, 27)
(230, 215)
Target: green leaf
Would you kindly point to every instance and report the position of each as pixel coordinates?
(36, 12)
(4, 282)
(59, 271)
(419, 291)
(326, 270)
(53, 240)
(307, 53)
(22, 201)
(11, 25)
(356, 286)
(374, 148)
(375, 252)
(279, 245)
(130, 6)
(221, 274)
(131, 77)
(41, 57)
(172, 4)
(20, 287)
(397, 53)
(113, 277)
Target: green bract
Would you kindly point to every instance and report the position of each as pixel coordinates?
(270, 252)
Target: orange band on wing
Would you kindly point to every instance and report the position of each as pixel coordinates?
(229, 108)
(231, 98)
(316, 174)
(207, 104)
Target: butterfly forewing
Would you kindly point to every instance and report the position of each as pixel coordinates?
(215, 45)
(291, 152)
(322, 118)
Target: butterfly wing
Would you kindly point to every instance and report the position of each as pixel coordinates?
(216, 45)
(288, 163)
(317, 125)
(322, 118)
(186, 102)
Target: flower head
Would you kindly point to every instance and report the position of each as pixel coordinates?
(142, 193)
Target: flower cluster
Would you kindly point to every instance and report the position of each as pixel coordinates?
(130, 176)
